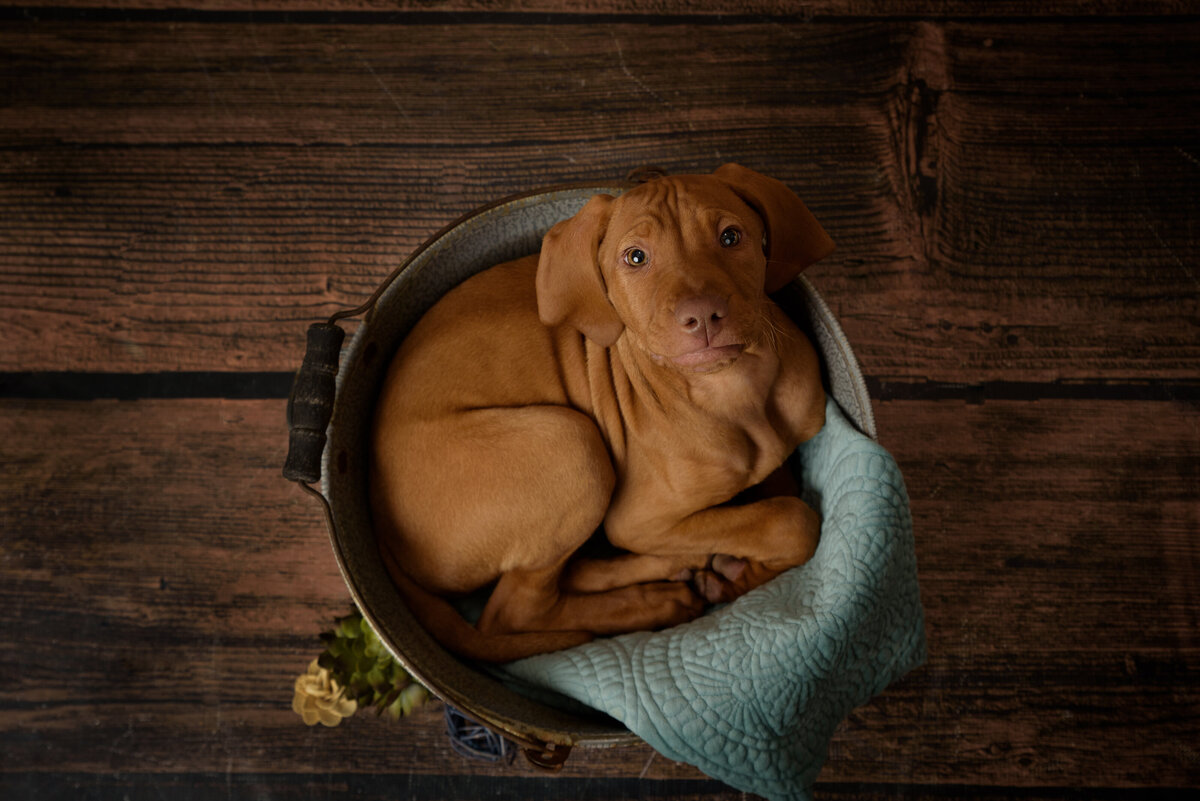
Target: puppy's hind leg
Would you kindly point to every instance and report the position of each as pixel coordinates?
(462, 499)
(507, 495)
(532, 600)
(566, 480)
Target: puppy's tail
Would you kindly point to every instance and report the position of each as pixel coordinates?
(444, 623)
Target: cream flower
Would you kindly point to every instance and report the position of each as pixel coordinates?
(319, 698)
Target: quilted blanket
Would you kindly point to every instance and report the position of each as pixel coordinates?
(752, 692)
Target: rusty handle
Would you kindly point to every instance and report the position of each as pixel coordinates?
(548, 757)
(310, 406)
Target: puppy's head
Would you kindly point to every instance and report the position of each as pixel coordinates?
(682, 265)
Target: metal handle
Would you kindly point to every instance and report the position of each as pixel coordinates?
(548, 757)
(310, 406)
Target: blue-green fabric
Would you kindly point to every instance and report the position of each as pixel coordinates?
(752, 692)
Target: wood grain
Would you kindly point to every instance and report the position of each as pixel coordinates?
(806, 9)
(378, 785)
(1018, 176)
(429, 85)
(191, 195)
(207, 217)
(162, 585)
(186, 184)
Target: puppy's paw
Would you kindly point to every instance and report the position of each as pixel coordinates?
(713, 587)
(731, 578)
(672, 602)
(730, 567)
(722, 581)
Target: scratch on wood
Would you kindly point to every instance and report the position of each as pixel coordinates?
(258, 51)
(1061, 143)
(1153, 229)
(213, 97)
(382, 85)
(642, 84)
(1187, 156)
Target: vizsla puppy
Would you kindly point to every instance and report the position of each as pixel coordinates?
(635, 375)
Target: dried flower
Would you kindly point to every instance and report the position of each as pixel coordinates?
(318, 698)
(355, 670)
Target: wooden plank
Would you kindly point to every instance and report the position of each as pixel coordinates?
(193, 259)
(160, 587)
(439, 84)
(280, 185)
(991, 224)
(384, 786)
(1057, 555)
(1048, 200)
(807, 9)
(422, 85)
(214, 276)
(378, 785)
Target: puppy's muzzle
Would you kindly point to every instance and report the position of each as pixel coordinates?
(702, 316)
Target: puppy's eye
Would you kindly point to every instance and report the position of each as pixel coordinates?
(636, 257)
(730, 237)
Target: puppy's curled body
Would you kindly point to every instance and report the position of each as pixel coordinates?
(635, 374)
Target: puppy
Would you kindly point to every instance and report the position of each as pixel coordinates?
(635, 375)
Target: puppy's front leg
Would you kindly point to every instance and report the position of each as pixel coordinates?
(789, 533)
(600, 575)
(772, 535)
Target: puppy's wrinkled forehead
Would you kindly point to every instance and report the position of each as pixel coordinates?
(674, 204)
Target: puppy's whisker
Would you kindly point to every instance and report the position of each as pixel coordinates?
(772, 334)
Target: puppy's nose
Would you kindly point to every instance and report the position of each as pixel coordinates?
(702, 315)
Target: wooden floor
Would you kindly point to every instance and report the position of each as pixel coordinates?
(186, 185)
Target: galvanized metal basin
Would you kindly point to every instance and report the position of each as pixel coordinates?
(499, 232)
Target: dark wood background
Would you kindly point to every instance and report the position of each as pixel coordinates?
(185, 185)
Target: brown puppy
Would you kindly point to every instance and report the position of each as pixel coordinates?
(635, 375)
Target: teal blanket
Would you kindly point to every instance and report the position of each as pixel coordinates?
(752, 692)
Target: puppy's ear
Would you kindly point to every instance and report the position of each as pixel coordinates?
(794, 237)
(570, 286)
